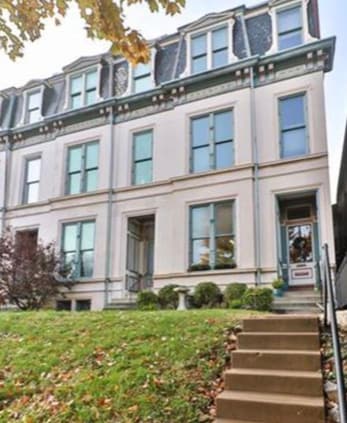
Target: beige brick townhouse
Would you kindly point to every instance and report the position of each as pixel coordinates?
(209, 163)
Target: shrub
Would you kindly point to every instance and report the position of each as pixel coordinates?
(207, 294)
(236, 304)
(199, 266)
(278, 283)
(258, 299)
(233, 292)
(168, 298)
(147, 300)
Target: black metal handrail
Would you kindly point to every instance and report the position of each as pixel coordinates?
(329, 304)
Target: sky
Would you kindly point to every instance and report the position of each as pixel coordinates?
(62, 45)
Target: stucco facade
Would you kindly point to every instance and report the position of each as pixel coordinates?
(260, 184)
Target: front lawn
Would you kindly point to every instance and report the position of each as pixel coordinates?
(111, 366)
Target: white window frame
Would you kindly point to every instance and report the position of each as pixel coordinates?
(25, 115)
(83, 73)
(208, 30)
(24, 191)
(131, 85)
(280, 7)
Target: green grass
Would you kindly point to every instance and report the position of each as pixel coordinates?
(111, 366)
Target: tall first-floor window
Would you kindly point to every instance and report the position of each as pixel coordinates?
(32, 180)
(293, 125)
(78, 247)
(212, 243)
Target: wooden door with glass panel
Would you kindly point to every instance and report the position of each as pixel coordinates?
(301, 253)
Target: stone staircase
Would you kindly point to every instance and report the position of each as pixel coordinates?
(276, 375)
(298, 301)
(121, 304)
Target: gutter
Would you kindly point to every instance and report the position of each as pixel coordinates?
(255, 159)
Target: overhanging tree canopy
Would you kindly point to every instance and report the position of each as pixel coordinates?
(23, 20)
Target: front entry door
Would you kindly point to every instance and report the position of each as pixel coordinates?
(300, 253)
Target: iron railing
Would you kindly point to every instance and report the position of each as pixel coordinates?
(330, 319)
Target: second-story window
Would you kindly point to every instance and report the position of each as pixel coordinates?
(33, 107)
(142, 158)
(212, 141)
(290, 29)
(83, 89)
(293, 126)
(82, 175)
(32, 180)
(209, 50)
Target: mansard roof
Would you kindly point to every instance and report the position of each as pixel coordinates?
(170, 61)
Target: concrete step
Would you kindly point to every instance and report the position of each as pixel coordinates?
(270, 408)
(288, 311)
(121, 305)
(280, 360)
(276, 381)
(282, 324)
(308, 341)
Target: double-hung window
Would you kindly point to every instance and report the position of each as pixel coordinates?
(33, 113)
(142, 78)
(32, 180)
(212, 243)
(83, 89)
(199, 53)
(82, 168)
(212, 141)
(210, 50)
(290, 31)
(220, 47)
(293, 126)
(142, 158)
(78, 247)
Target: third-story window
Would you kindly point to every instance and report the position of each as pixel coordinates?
(78, 247)
(83, 89)
(293, 126)
(212, 244)
(34, 107)
(220, 47)
(210, 50)
(142, 157)
(82, 175)
(142, 78)
(289, 28)
(212, 141)
(199, 53)
(32, 180)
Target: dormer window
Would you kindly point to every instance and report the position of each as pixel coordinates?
(210, 50)
(220, 47)
(83, 89)
(33, 107)
(290, 28)
(199, 53)
(142, 78)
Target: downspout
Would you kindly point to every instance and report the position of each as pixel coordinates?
(109, 219)
(6, 183)
(255, 159)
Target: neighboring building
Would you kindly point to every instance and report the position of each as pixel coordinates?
(340, 229)
(208, 164)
